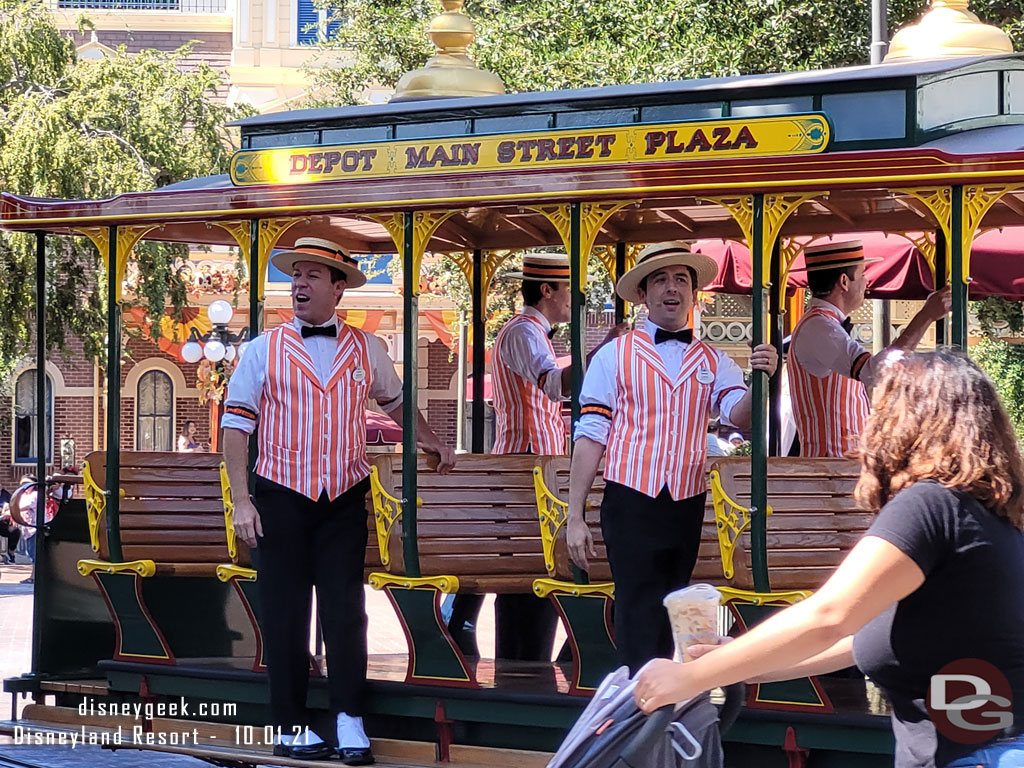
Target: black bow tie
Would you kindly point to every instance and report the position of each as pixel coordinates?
(319, 330)
(848, 325)
(551, 333)
(685, 335)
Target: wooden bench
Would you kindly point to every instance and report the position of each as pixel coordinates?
(477, 532)
(179, 548)
(586, 609)
(173, 539)
(813, 522)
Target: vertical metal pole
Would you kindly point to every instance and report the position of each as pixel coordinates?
(958, 280)
(577, 323)
(479, 350)
(881, 318)
(759, 408)
(460, 406)
(42, 407)
(411, 290)
(620, 270)
(255, 328)
(879, 31)
(941, 337)
(113, 402)
(776, 292)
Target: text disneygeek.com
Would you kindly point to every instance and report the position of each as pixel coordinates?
(156, 724)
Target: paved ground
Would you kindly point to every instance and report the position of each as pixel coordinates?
(385, 636)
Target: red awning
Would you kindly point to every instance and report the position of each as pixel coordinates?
(381, 430)
(997, 266)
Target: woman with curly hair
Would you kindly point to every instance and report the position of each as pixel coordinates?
(937, 579)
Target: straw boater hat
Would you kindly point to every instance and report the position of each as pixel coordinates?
(543, 267)
(659, 256)
(834, 255)
(322, 252)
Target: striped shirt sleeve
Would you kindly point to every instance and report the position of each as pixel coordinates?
(245, 388)
(527, 352)
(728, 389)
(597, 397)
(386, 387)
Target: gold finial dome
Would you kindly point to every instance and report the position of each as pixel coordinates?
(449, 73)
(948, 29)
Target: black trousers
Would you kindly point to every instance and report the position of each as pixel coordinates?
(310, 543)
(652, 549)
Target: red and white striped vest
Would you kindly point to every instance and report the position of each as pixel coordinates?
(830, 411)
(312, 437)
(659, 426)
(525, 419)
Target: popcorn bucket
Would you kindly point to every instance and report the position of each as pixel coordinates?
(693, 613)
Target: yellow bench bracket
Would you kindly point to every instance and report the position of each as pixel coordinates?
(386, 512)
(228, 572)
(447, 584)
(96, 505)
(552, 513)
(144, 568)
(731, 520)
(229, 512)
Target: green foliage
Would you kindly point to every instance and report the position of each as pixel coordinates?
(536, 45)
(1004, 363)
(93, 129)
(996, 316)
(442, 278)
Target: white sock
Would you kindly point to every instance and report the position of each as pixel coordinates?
(350, 732)
(306, 738)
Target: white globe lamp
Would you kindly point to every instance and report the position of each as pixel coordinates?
(191, 352)
(229, 354)
(214, 351)
(219, 312)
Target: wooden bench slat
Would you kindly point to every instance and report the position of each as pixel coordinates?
(173, 506)
(448, 529)
(525, 565)
(191, 490)
(177, 553)
(470, 547)
(143, 522)
(468, 515)
(184, 536)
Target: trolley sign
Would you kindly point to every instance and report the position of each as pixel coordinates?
(630, 144)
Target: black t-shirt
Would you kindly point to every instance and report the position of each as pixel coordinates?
(971, 605)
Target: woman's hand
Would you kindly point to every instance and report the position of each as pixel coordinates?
(664, 682)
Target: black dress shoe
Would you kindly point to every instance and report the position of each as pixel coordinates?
(350, 756)
(321, 751)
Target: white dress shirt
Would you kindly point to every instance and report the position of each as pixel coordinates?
(599, 384)
(526, 350)
(245, 388)
(824, 347)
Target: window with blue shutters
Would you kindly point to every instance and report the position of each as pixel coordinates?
(311, 21)
(307, 20)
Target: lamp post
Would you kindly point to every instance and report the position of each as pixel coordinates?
(218, 345)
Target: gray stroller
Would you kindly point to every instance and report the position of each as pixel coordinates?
(613, 732)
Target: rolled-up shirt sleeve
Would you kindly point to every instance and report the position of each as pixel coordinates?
(823, 347)
(597, 397)
(728, 390)
(245, 388)
(385, 386)
(528, 353)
